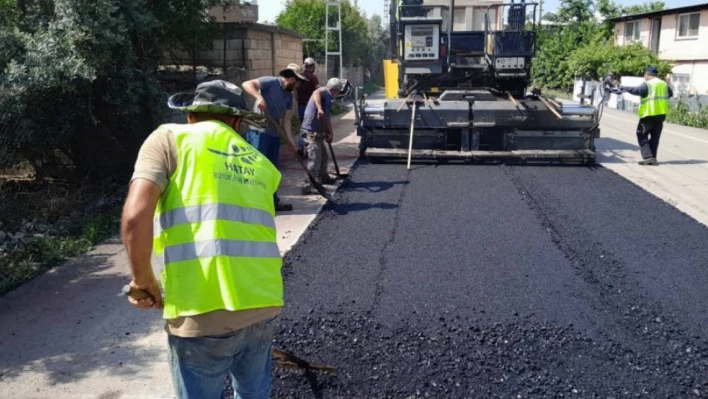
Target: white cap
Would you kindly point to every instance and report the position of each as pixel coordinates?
(309, 61)
(334, 83)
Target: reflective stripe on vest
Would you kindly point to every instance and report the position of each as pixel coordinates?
(215, 225)
(657, 100)
(213, 248)
(204, 212)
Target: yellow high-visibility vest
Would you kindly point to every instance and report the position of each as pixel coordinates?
(657, 100)
(215, 225)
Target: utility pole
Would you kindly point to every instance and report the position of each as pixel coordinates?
(335, 28)
(385, 13)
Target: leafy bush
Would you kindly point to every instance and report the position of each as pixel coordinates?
(575, 45)
(680, 113)
(77, 76)
(550, 67)
(597, 59)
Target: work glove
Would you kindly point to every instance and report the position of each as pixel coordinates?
(616, 90)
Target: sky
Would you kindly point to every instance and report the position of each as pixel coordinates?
(269, 9)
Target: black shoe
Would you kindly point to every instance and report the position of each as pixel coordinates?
(648, 161)
(283, 207)
(328, 180)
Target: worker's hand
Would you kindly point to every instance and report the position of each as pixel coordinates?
(320, 114)
(328, 137)
(261, 104)
(152, 288)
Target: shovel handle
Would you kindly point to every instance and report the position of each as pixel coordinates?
(135, 293)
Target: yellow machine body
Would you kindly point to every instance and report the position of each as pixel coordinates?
(390, 68)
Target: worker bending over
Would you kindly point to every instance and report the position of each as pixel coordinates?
(274, 94)
(201, 198)
(315, 129)
(654, 96)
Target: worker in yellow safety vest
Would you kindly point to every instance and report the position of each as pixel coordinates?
(201, 200)
(654, 96)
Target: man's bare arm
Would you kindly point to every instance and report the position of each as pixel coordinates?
(317, 97)
(252, 87)
(137, 234)
(288, 125)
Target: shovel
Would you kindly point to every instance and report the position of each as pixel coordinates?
(284, 360)
(320, 188)
(336, 167)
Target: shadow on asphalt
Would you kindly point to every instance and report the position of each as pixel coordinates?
(316, 387)
(683, 162)
(610, 144)
(606, 153)
(343, 209)
(372, 186)
(70, 324)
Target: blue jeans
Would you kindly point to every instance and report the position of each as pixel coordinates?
(200, 365)
(267, 145)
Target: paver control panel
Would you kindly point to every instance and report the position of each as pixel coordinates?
(422, 42)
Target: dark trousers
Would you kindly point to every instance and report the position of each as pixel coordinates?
(648, 135)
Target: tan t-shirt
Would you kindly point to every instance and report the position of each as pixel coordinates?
(157, 161)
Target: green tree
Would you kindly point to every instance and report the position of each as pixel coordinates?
(574, 27)
(77, 76)
(578, 11)
(643, 8)
(379, 39)
(597, 59)
(307, 17)
(608, 9)
(579, 46)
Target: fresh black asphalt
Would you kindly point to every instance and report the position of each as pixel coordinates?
(468, 281)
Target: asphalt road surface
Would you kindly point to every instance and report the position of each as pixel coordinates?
(458, 281)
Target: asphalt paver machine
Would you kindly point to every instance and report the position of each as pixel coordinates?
(455, 93)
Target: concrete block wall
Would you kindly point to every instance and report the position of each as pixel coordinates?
(260, 50)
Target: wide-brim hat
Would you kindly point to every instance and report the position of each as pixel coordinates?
(214, 97)
(293, 71)
(217, 97)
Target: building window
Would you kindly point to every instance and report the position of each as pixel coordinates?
(632, 31)
(478, 14)
(688, 25)
(681, 83)
(459, 22)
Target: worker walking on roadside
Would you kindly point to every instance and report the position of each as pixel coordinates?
(274, 94)
(201, 198)
(654, 97)
(304, 92)
(316, 128)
